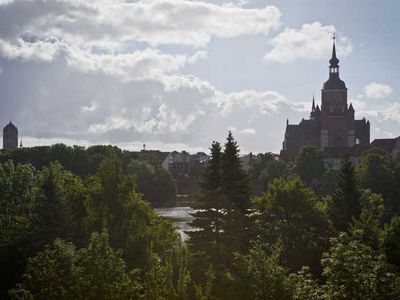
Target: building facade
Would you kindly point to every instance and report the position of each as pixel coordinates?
(10, 137)
(331, 125)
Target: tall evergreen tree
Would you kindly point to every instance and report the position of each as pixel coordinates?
(344, 204)
(53, 216)
(205, 243)
(234, 180)
(210, 180)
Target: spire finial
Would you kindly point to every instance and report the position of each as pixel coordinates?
(334, 62)
(313, 102)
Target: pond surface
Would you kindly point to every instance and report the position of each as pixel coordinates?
(180, 216)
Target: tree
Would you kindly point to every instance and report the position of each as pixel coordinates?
(391, 241)
(354, 271)
(377, 172)
(265, 168)
(367, 227)
(290, 212)
(17, 193)
(155, 183)
(273, 169)
(344, 204)
(210, 180)
(94, 272)
(234, 180)
(53, 214)
(265, 277)
(351, 270)
(206, 243)
(148, 241)
(309, 164)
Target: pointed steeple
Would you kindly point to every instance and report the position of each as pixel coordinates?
(317, 109)
(351, 108)
(313, 103)
(334, 82)
(334, 61)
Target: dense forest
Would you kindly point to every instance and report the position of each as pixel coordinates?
(77, 224)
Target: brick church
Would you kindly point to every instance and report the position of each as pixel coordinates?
(331, 126)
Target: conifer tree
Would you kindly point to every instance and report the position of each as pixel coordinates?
(235, 186)
(53, 216)
(344, 205)
(234, 180)
(205, 243)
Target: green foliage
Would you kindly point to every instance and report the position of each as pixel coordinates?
(273, 169)
(351, 270)
(290, 212)
(344, 205)
(206, 243)
(223, 223)
(17, 194)
(203, 292)
(211, 177)
(53, 214)
(234, 180)
(354, 271)
(133, 226)
(309, 164)
(391, 241)
(266, 278)
(265, 168)
(155, 183)
(305, 287)
(62, 272)
(367, 227)
(377, 172)
(55, 217)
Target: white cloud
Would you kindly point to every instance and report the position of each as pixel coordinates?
(264, 103)
(392, 113)
(5, 2)
(248, 131)
(20, 49)
(311, 41)
(148, 63)
(199, 55)
(377, 90)
(111, 24)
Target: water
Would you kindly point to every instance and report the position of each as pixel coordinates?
(180, 217)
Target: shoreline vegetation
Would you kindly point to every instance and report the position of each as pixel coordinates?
(78, 223)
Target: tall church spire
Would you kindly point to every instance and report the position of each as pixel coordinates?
(334, 82)
(334, 61)
(313, 103)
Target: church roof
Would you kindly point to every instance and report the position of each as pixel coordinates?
(334, 83)
(334, 61)
(10, 126)
(385, 144)
(291, 129)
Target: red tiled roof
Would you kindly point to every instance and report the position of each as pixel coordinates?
(385, 144)
(156, 155)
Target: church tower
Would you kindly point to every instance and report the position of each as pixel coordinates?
(10, 137)
(337, 118)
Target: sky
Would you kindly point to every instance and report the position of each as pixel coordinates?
(177, 75)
